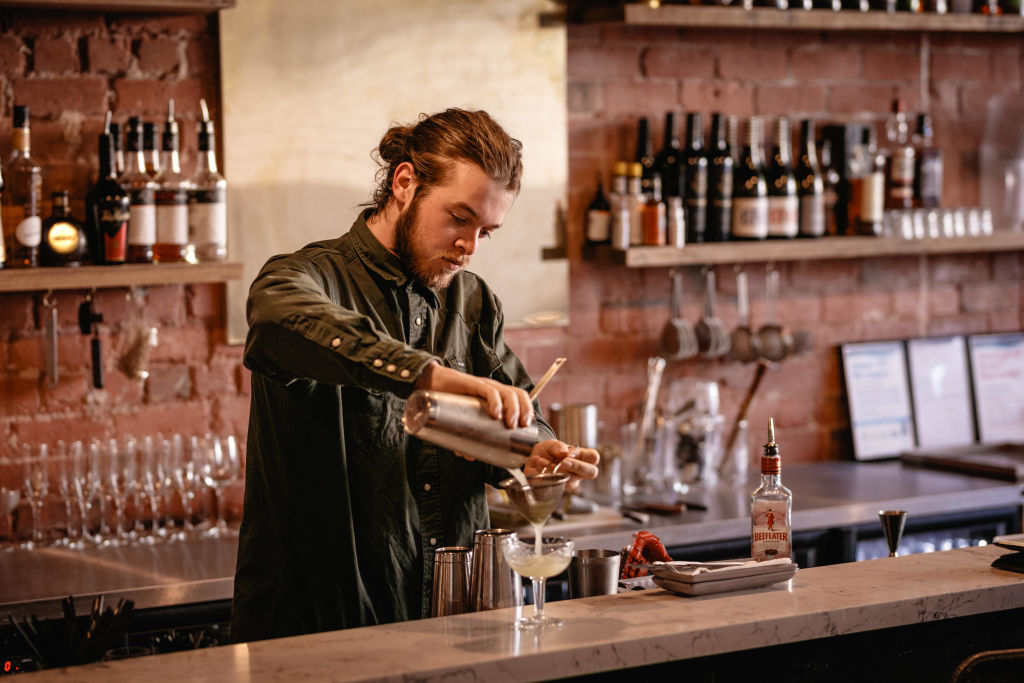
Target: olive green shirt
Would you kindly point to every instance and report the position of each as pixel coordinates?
(343, 510)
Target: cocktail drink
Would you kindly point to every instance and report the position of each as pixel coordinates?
(550, 558)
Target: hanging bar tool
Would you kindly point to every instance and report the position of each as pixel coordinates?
(50, 339)
(88, 320)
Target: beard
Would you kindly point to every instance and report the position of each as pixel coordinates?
(430, 269)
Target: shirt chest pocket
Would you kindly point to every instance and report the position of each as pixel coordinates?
(482, 364)
(373, 419)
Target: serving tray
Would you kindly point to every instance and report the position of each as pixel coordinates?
(701, 580)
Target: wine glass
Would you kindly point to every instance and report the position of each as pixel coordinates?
(94, 521)
(37, 487)
(10, 496)
(219, 468)
(149, 485)
(552, 557)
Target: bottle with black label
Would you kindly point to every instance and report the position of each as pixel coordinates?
(645, 155)
(749, 189)
(171, 198)
(64, 242)
(151, 148)
(928, 173)
(108, 208)
(207, 208)
(810, 184)
(832, 179)
(142, 192)
(599, 216)
(695, 173)
(667, 163)
(23, 194)
(783, 203)
(720, 169)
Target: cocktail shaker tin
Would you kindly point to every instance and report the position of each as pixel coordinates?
(451, 581)
(493, 584)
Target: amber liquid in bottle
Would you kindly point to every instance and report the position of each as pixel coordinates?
(22, 223)
(142, 192)
(171, 198)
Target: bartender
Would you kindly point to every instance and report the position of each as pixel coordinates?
(343, 510)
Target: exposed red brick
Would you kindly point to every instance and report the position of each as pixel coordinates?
(230, 415)
(745, 62)
(908, 302)
(612, 34)
(990, 296)
(826, 276)
(959, 66)
(108, 54)
(244, 376)
(168, 303)
(603, 62)
(945, 102)
(850, 99)
(203, 57)
(68, 428)
(16, 313)
(146, 97)
(857, 306)
(640, 97)
(729, 97)
(891, 328)
(71, 391)
(183, 418)
(790, 99)
(36, 22)
(583, 97)
(1005, 320)
(55, 55)
(205, 301)
(892, 65)
(12, 55)
(1005, 65)
(960, 268)
(583, 33)
(943, 300)
(219, 377)
(158, 55)
(52, 97)
(815, 61)
(20, 395)
(967, 323)
(678, 62)
(1006, 266)
(181, 344)
(168, 383)
(974, 98)
(161, 23)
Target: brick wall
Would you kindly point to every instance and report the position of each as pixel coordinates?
(70, 68)
(617, 74)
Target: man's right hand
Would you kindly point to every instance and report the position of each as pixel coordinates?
(506, 402)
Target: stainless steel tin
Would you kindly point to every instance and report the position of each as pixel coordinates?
(450, 593)
(493, 584)
(461, 424)
(577, 425)
(593, 572)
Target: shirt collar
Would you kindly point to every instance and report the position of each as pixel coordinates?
(376, 256)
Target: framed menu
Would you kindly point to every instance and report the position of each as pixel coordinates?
(997, 372)
(940, 388)
(878, 397)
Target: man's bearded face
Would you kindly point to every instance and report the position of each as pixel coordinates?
(429, 262)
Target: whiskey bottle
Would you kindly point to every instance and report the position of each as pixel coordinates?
(171, 198)
(928, 173)
(668, 161)
(142, 194)
(783, 203)
(695, 179)
(645, 154)
(620, 206)
(872, 191)
(108, 208)
(207, 204)
(720, 170)
(749, 189)
(599, 216)
(636, 200)
(654, 215)
(810, 184)
(771, 507)
(151, 148)
(22, 197)
(832, 179)
(64, 242)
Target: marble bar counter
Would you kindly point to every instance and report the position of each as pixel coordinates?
(605, 633)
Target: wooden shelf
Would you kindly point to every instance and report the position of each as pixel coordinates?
(128, 275)
(642, 14)
(169, 6)
(800, 250)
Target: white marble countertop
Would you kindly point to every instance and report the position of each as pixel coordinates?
(604, 633)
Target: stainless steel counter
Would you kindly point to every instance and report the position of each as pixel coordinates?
(825, 495)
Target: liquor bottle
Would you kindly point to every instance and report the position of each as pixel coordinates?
(856, 171)
(928, 172)
(897, 128)
(872, 190)
(645, 154)
(783, 203)
(171, 198)
(3, 248)
(22, 197)
(810, 184)
(620, 207)
(599, 216)
(668, 161)
(115, 133)
(207, 206)
(151, 148)
(695, 174)
(108, 208)
(142, 193)
(749, 189)
(771, 507)
(64, 242)
(832, 179)
(720, 169)
(654, 215)
(636, 199)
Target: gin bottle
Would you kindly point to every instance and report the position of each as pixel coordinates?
(771, 507)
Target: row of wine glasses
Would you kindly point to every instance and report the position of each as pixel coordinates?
(118, 491)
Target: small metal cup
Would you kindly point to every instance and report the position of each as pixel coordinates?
(450, 593)
(493, 584)
(593, 572)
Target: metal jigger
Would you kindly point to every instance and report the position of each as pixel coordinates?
(537, 501)
(892, 524)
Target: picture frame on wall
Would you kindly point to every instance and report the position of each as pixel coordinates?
(997, 376)
(878, 398)
(940, 388)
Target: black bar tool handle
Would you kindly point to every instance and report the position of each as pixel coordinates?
(97, 362)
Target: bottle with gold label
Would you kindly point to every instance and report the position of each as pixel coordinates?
(64, 242)
(771, 507)
(22, 197)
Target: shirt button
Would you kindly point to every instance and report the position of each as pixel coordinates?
(404, 373)
(433, 541)
(426, 487)
(390, 367)
(419, 320)
(377, 363)
(336, 342)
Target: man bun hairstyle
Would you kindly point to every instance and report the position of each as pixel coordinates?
(436, 140)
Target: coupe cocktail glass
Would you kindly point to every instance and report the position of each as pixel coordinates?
(550, 558)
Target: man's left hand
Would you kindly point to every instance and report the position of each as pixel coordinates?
(579, 463)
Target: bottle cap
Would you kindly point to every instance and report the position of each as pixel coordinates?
(115, 133)
(149, 136)
(636, 169)
(21, 116)
(621, 168)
